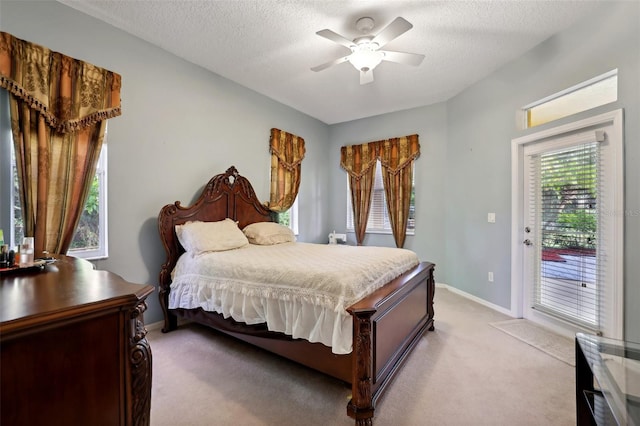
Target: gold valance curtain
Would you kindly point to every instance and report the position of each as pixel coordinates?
(396, 157)
(287, 152)
(58, 109)
(359, 161)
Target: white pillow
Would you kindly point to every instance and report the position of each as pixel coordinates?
(268, 233)
(199, 237)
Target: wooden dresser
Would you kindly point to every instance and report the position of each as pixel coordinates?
(73, 347)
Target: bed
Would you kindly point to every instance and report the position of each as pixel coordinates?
(385, 325)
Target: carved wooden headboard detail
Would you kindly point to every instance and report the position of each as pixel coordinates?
(227, 195)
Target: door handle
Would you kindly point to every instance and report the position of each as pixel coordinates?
(527, 242)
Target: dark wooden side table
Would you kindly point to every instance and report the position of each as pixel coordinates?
(72, 347)
(607, 381)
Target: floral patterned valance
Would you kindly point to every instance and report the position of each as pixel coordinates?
(395, 154)
(69, 93)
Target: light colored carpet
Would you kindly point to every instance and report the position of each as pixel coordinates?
(465, 373)
(547, 341)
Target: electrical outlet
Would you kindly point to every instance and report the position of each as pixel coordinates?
(491, 217)
(490, 277)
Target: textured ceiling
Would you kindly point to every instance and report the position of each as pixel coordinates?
(269, 46)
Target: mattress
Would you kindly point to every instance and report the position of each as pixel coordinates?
(299, 289)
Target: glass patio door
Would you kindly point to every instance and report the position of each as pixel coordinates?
(562, 235)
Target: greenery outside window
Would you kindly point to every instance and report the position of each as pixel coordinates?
(90, 240)
(290, 217)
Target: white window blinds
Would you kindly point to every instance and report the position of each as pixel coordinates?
(570, 256)
(378, 214)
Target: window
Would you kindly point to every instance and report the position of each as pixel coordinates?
(598, 91)
(6, 181)
(290, 217)
(378, 215)
(18, 223)
(90, 240)
(565, 219)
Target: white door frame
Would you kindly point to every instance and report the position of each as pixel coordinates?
(615, 119)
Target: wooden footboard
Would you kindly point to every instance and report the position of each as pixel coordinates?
(387, 325)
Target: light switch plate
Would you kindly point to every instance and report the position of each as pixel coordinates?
(491, 218)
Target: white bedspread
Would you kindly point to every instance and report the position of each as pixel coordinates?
(299, 289)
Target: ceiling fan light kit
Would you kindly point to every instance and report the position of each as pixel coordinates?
(365, 54)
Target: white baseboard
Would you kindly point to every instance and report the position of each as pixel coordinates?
(476, 299)
(158, 325)
(154, 326)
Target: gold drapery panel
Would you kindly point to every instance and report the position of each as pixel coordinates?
(396, 158)
(287, 152)
(359, 161)
(58, 109)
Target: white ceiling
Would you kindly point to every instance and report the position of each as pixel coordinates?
(269, 46)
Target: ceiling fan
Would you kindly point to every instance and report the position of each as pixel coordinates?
(365, 50)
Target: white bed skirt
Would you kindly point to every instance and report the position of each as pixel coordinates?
(299, 289)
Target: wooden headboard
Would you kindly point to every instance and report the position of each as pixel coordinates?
(227, 195)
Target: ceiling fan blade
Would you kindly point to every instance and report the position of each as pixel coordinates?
(337, 38)
(366, 77)
(330, 64)
(396, 28)
(414, 59)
